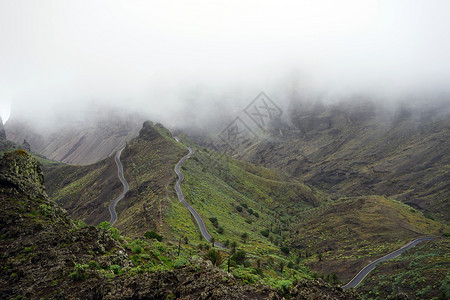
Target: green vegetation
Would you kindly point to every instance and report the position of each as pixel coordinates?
(422, 271)
(153, 235)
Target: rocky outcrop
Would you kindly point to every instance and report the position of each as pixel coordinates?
(148, 131)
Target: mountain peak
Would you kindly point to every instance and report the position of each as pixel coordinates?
(149, 131)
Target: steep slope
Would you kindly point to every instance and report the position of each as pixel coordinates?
(46, 255)
(350, 232)
(148, 160)
(422, 273)
(282, 223)
(95, 136)
(217, 187)
(361, 148)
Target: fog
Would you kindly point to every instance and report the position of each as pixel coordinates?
(189, 62)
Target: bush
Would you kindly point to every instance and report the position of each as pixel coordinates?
(284, 285)
(245, 205)
(285, 250)
(46, 210)
(265, 233)
(256, 214)
(250, 211)
(220, 230)
(115, 269)
(137, 249)
(115, 233)
(180, 261)
(79, 272)
(153, 235)
(239, 208)
(93, 265)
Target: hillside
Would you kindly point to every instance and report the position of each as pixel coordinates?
(360, 148)
(87, 191)
(350, 232)
(423, 272)
(47, 255)
(93, 137)
(287, 225)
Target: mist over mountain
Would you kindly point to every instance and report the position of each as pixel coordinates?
(225, 149)
(177, 63)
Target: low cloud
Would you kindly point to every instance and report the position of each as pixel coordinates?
(188, 63)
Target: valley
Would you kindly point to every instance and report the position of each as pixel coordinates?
(269, 214)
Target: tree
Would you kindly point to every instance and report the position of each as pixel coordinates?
(212, 240)
(285, 249)
(320, 256)
(244, 237)
(334, 278)
(186, 240)
(153, 235)
(239, 257)
(281, 266)
(215, 256)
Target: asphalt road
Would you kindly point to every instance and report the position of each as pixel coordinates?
(112, 206)
(366, 270)
(193, 212)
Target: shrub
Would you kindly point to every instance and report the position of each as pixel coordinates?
(250, 211)
(220, 230)
(239, 208)
(265, 232)
(79, 272)
(285, 249)
(93, 265)
(180, 261)
(284, 285)
(137, 249)
(115, 269)
(115, 233)
(256, 214)
(153, 235)
(46, 210)
(245, 205)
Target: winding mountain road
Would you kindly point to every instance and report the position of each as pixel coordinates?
(193, 212)
(112, 206)
(366, 270)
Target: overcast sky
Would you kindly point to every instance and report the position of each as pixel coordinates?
(161, 56)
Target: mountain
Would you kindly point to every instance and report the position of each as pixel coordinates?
(148, 160)
(85, 140)
(291, 229)
(47, 255)
(363, 148)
